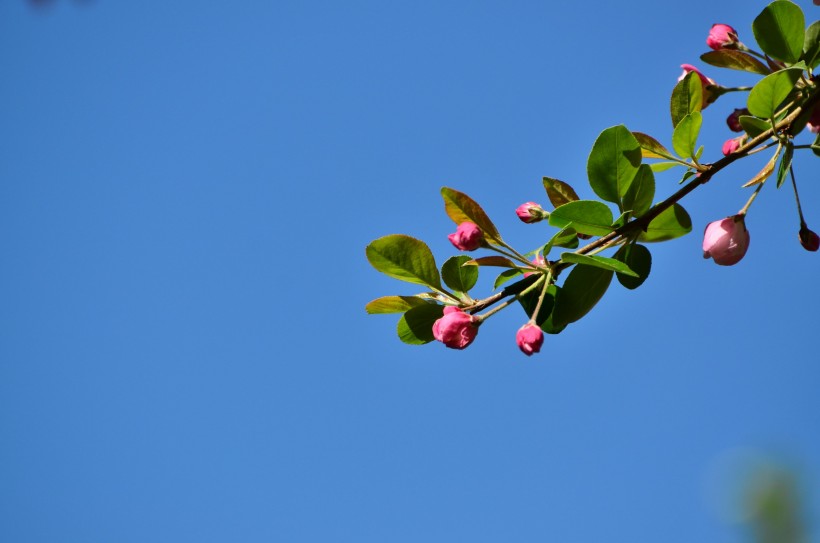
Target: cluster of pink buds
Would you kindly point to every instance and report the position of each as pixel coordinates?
(726, 241)
(467, 237)
(457, 329)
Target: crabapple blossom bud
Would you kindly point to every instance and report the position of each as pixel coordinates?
(456, 329)
(726, 240)
(537, 261)
(722, 37)
(730, 146)
(467, 237)
(808, 239)
(529, 338)
(709, 96)
(530, 212)
(733, 120)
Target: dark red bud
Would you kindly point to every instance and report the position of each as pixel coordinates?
(808, 239)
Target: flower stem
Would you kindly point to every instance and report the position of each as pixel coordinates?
(797, 199)
(512, 300)
(512, 253)
(757, 54)
(449, 295)
(745, 208)
(607, 245)
(546, 287)
(772, 144)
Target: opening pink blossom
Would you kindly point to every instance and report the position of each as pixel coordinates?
(726, 241)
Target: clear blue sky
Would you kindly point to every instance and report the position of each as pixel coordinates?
(186, 191)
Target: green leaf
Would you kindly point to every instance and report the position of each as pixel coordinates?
(558, 192)
(612, 164)
(650, 147)
(815, 147)
(461, 208)
(687, 97)
(566, 237)
(641, 192)
(767, 95)
(735, 60)
(753, 126)
(582, 289)
(779, 30)
(585, 216)
(596, 261)
(457, 276)
(544, 318)
(811, 45)
(672, 223)
(785, 164)
(663, 166)
(415, 327)
(686, 175)
(393, 304)
(505, 276)
(495, 261)
(404, 258)
(685, 136)
(639, 259)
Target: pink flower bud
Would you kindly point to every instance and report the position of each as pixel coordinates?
(537, 261)
(808, 239)
(456, 329)
(726, 240)
(730, 146)
(529, 339)
(733, 120)
(530, 212)
(722, 37)
(467, 237)
(814, 121)
(689, 68)
(708, 95)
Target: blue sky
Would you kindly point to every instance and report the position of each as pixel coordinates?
(186, 191)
